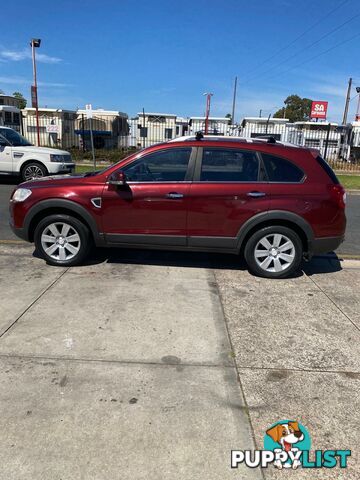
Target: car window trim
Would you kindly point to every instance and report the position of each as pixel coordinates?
(197, 173)
(189, 171)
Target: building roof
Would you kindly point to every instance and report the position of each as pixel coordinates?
(156, 114)
(101, 111)
(211, 118)
(265, 119)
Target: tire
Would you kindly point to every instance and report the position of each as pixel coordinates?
(62, 240)
(278, 254)
(36, 168)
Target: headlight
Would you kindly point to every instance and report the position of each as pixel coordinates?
(56, 158)
(21, 194)
(60, 158)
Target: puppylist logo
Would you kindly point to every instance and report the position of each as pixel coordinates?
(287, 445)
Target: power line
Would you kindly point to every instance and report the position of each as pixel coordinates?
(299, 36)
(305, 48)
(315, 56)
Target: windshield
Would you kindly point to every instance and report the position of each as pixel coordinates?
(14, 138)
(90, 174)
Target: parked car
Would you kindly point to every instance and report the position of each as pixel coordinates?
(20, 157)
(273, 203)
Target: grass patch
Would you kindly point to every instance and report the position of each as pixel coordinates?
(351, 182)
(111, 156)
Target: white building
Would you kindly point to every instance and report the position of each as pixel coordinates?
(252, 127)
(216, 126)
(10, 112)
(56, 127)
(110, 128)
(154, 128)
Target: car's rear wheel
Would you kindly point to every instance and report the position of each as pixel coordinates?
(62, 240)
(274, 252)
(33, 170)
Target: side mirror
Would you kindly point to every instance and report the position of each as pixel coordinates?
(117, 178)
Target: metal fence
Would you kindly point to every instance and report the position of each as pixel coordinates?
(339, 145)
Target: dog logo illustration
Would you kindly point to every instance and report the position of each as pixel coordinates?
(290, 437)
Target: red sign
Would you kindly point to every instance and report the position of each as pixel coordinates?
(33, 96)
(319, 110)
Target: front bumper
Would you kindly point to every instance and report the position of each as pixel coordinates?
(326, 244)
(54, 168)
(20, 232)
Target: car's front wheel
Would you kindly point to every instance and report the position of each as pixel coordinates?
(33, 170)
(62, 240)
(274, 252)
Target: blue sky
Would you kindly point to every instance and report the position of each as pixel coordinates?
(162, 55)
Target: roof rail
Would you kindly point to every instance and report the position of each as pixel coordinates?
(268, 138)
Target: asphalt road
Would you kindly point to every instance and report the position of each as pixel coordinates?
(351, 246)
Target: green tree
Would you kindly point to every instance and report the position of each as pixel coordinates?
(229, 116)
(296, 109)
(21, 98)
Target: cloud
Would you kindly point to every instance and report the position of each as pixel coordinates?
(26, 81)
(17, 56)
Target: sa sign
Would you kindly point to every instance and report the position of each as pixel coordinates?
(319, 109)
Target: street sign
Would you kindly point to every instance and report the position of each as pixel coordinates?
(33, 96)
(88, 109)
(319, 109)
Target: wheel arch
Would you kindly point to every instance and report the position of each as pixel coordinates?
(277, 217)
(60, 206)
(31, 160)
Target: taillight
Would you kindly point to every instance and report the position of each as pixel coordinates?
(339, 194)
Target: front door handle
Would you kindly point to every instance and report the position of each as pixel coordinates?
(256, 194)
(174, 195)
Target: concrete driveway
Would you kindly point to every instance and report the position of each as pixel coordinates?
(154, 365)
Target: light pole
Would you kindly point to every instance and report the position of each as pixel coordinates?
(35, 43)
(357, 116)
(208, 100)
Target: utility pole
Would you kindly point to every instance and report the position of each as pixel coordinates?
(346, 109)
(260, 112)
(35, 43)
(234, 102)
(208, 100)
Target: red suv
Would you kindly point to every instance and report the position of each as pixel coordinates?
(273, 203)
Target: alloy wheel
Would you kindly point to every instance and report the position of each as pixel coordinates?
(274, 252)
(33, 171)
(60, 241)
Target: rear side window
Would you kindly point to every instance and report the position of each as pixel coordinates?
(280, 170)
(229, 165)
(328, 169)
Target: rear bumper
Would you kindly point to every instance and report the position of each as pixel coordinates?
(326, 244)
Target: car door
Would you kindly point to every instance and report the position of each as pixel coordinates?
(229, 188)
(6, 162)
(151, 209)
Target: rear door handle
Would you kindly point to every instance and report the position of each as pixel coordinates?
(174, 195)
(256, 194)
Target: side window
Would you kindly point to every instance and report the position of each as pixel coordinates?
(229, 165)
(280, 170)
(162, 166)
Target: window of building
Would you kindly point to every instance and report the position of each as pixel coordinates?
(162, 166)
(168, 133)
(229, 165)
(280, 170)
(16, 118)
(143, 132)
(8, 118)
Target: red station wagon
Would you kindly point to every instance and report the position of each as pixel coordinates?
(275, 204)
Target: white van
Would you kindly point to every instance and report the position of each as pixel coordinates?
(19, 157)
